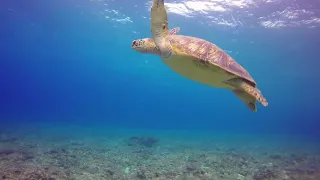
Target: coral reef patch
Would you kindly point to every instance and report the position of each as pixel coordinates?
(119, 157)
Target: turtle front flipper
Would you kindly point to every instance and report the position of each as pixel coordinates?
(241, 84)
(159, 27)
(249, 100)
(158, 3)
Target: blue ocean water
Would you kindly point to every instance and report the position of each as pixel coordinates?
(69, 63)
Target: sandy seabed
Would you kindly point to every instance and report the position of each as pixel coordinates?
(60, 152)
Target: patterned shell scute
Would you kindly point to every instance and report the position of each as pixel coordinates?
(209, 53)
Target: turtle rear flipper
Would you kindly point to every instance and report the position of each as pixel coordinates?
(244, 86)
(247, 99)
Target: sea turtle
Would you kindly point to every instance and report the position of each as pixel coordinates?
(200, 60)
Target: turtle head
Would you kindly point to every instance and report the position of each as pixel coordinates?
(146, 46)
